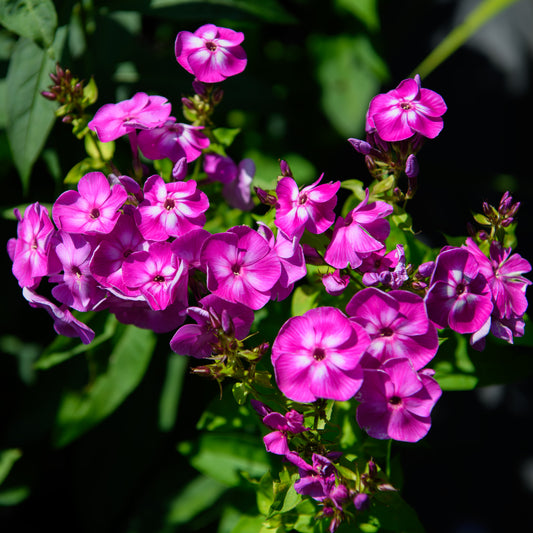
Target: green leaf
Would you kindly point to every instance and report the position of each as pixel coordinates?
(240, 393)
(33, 19)
(30, 116)
(248, 524)
(226, 136)
(171, 392)
(394, 514)
(98, 150)
(350, 73)
(303, 299)
(197, 496)
(79, 170)
(81, 410)
(365, 10)
(357, 187)
(223, 456)
(383, 186)
(7, 459)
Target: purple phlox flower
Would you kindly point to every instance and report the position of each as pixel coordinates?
(459, 296)
(406, 110)
(292, 422)
(173, 140)
(158, 274)
(219, 168)
(238, 193)
(170, 209)
(110, 254)
(241, 267)
(140, 314)
(503, 272)
(214, 315)
(317, 355)
(395, 278)
(92, 209)
(335, 282)
(397, 324)
(312, 481)
(377, 266)
(188, 247)
(211, 53)
(76, 287)
(130, 185)
(64, 322)
(291, 258)
(363, 231)
(396, 401)
(141, 111)
(311, 208)
(30, 250)
(260, 408)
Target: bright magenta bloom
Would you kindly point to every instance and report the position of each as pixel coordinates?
(29, 251)
(396, 401)
(92, 209)
(406, 110)
(311, 208)
(210, 53)
(317, 355)
(142, 112)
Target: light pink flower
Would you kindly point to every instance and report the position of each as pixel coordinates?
(142, 112)
(211, 53)
(317, 355)
(406, 110)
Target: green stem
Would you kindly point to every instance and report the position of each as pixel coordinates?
(387, 465)
(460, 34)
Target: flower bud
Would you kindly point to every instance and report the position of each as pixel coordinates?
(217, 95)
(265, 197)
(188, 104)
(199, 87)
(179, 171)
(361, 146)
(411, 168)
(361, 501)
(483, 235)
(285, 169)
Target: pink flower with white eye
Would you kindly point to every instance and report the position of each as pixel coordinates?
(29, 251)
(397, 324)
(173, 140)
(241, 267)
(76, 287)
(363, 231)
(158, 274)
(92, 209)
(212, 54)
(459, 296)
(141, 112)
(311, 208)
(170, 209)
(406, 110)
(317, 355)
(396, 401)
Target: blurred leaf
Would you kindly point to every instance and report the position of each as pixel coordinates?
(81, 410)
(171, 392)
(13, 496)
(394, 514)
(222, 456)
(249, 524)
(303, 299)
(63, 348)
(98, 150)
(365, 10)
(225, 136)
(30, 116)
(33, 19)
(350, 73)
(79, 170)
(7, 459)
(197, 496)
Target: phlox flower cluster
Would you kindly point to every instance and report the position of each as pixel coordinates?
(138, 247)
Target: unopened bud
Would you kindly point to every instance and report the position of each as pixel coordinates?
(179, 171)
(285, 169)
(411, 167)
(505, 202)
(227, 323)
(483, 235)
(513, 210)
(265, 197)
(204, 370)
(487, 209)
(361, 146)
(187, 103)
(217, 95)
(48, 95)
(506, 222)
(361, 501)
(199, 87)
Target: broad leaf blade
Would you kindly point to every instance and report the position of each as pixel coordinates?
(80, 411)
(29, 116)
(33, 19)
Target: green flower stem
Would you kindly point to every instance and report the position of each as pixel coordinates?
(460, 34)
